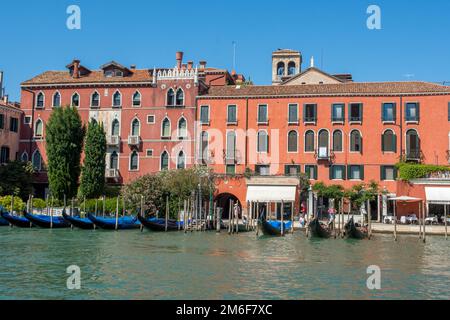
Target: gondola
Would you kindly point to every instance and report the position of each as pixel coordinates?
(123, 223)
(159, 224)
(351, 230)
(78, 222)
(47, 222)
(317, 230)
(273, 227)
(16, 221)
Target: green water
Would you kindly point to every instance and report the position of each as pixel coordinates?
(135, 265)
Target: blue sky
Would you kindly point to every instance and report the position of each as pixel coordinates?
(413, 40)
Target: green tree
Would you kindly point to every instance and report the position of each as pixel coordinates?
(93, 171)
(16, 178)
(64, 144)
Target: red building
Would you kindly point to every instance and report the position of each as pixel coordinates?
(148, 114)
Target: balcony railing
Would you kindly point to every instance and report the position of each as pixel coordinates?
(413, 155)
(112, 140)
(323, 153)
(310, 119)
(134, 140)
(112, 173)
(355, 119)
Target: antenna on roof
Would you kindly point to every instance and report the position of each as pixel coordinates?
(234, 55)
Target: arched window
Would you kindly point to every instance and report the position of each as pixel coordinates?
(57, 100)
(39, 128)
(204, 145)
(231, 146)
(263, 141)
(323, 139)
(24, 157)
(135, 127)
(115, 128)
(95, 99)
(388, 141)
(182, 128)
(181, 160)
(36, 160)
(75, 100)
(412, 145)
(280, 69)
(292, 141)
(134, 160)
(165, 128)
(170, 97)
(291, 68)
(165, 161)
(114, 161)
(355, 141)
(309, 141)
(180, 97)
(40, 100)
(136, 99)
(117, 99)
(337, 141)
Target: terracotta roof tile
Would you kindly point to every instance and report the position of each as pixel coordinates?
(354, 88)
(63, 77)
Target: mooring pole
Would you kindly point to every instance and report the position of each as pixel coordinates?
(167, 212)
(104, 204)
(420, 220)
(12, 204)
(142, 212)
(395, 220)
(446, 223)
(424, 217)
(369, 219)
(117, 213)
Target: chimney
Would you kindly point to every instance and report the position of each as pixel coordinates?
(202, 65)
(190, 65)
(5, 99)
(179, 57)
(1, 84)
(76, 69)
(133, 67)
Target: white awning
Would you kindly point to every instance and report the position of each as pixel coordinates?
(438, 195)
(271, 193)
(404, 198)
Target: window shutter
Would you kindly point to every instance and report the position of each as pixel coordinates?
(418, 111)
(344, 173)
(315, 173)
(382, 173)
(286, 170)
(331, 173)
(304, 112)
(382, 143)
(361, 111)
(315, 112)
(361, 172)
(394, 142)
(349, 172)
(395, 173)
(395, 111)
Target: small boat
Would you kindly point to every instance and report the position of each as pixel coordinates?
(48, 222)
(273, 227)
(123, 223)
(353, 231)
(318, 230)
(78, 222)
(16, 221)
(159, 224)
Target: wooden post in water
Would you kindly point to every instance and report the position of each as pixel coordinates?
(117, 213)
(84, 205)
(12, 204)
(257, 218)
(423, 218)
(282, 217)
(292, 217)
(104, 204)
(46, 205)
(420, 220)
(179, 216)
(71, 207)
(230, 210)
(218, 218)
(395, 220)
(446, 223)
(167, 213)
(96, 206)
(142, 212)
(369, 220)
(236, 214)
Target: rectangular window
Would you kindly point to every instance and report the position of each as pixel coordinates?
(389, 112)
(13, 124)
(388, 173)
(262, 113)
(355, 172)
(151, 119)
(310, 113)
(4, 155)
(204, 114)
(355, 112)
(2, 121)
(337, 172)
(232, 114)
(293, 113)
(338, 112)
(263, 142)
(262, 170)
(311, 171)
(230, 169)
(291, 169)
(149, 152)
(27, 120)
(412, 111)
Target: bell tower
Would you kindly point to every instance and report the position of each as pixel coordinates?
(286, 63)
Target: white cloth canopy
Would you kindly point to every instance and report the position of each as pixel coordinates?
(438, 195)
(271, 193)
(404, 198)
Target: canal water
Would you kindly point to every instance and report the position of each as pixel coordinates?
(135, 265)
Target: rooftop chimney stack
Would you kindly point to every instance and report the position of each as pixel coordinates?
(202, 65)
(190, 65)
(76, 69)
(179, 57)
